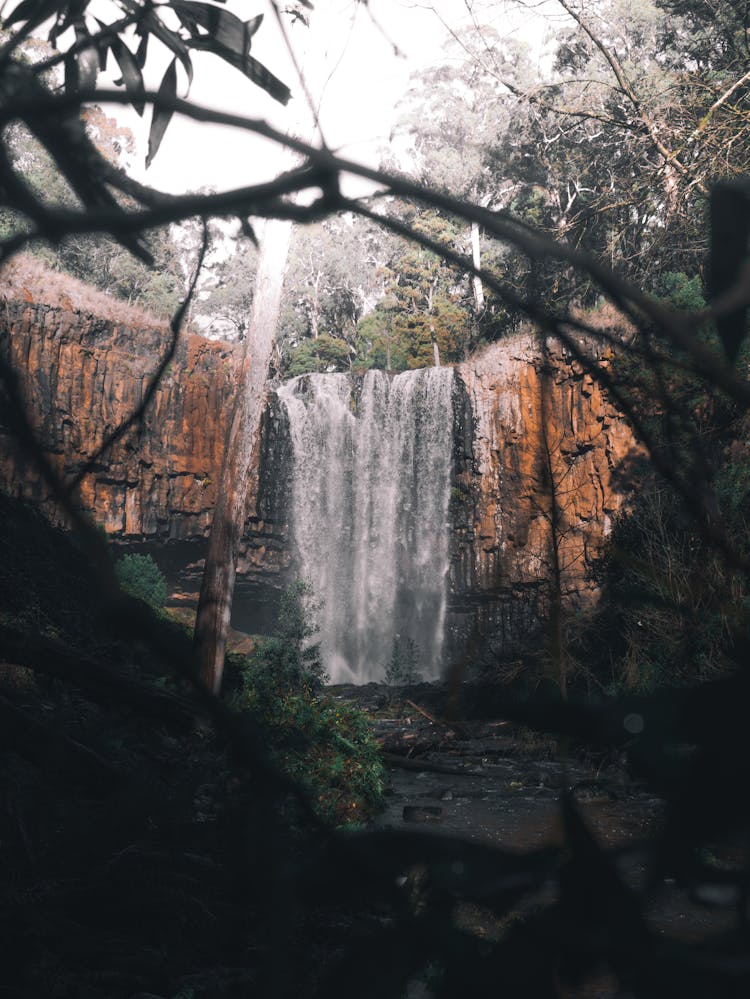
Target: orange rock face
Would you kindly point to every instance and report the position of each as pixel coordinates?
(535, 489)
(536, 458)
(82, 377)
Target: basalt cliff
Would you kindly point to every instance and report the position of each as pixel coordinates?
(537, 453)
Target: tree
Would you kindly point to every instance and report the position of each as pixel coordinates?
(333, 279)
(243, 435)
(98, 259)
(423, 316)
(226, 301)
(140, 576)
(642, 98)
(452, 114)
(217, 586)
(290, 659)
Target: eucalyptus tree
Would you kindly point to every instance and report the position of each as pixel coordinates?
(451, 116)
(424, 316)
(331, 282)
(644, 109)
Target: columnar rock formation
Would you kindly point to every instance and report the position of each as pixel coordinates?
(517, 430)
(540, 434)
(82, 376)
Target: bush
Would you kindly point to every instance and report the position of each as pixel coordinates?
(324, 744)
(141, 577)
(671, 608)
(325, 353)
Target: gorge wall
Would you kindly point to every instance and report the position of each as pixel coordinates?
(516, 430)
(539, 477)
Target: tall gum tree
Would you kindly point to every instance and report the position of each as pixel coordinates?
(217, 586)
(451, 114)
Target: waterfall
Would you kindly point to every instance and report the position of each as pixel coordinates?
(370, 492)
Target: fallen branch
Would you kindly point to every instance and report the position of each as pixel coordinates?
(428, 716)
(426, 766)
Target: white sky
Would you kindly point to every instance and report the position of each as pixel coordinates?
(365, 80)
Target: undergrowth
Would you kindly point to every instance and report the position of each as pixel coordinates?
(324, 744)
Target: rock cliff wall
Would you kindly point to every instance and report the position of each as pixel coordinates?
(518, 430)
(536, 485)
(81, 378)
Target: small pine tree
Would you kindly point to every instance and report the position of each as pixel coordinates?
(290, 657)
(403, 666)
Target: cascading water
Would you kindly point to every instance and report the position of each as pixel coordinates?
(371, 485)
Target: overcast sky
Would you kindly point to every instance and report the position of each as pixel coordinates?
(350, 57)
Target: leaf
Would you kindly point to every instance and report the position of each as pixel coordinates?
(70, 16)
(87, 59)
(250, 67)
(162, 116)
(131, 72)
(142, 50)
(224, 28)
(172, 40)
(150, 24)
(730, 229)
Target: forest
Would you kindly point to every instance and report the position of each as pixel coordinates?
(181, 819)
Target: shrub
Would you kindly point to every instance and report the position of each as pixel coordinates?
(141, 577)
(325, 744)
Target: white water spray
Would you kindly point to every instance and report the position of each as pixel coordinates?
(370, 512)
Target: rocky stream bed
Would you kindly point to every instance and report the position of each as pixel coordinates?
(490, 783)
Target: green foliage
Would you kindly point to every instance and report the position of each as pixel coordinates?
(141, 577)
(403, 666)
(426, 304)
(99, 260)
(324, 744)
(326, 353)
(671, 607)
(333, 276)
(289, 659)
(681, 291)
(327, 746)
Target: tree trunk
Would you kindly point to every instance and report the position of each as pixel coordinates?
(217, 588)
(433, 335)
(435, 351)
(476, 259)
